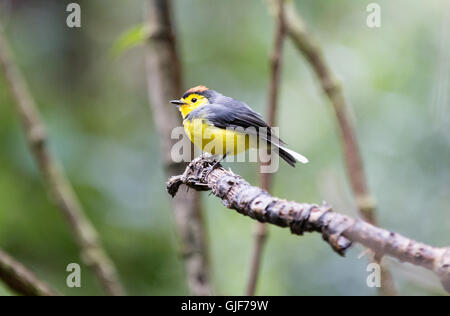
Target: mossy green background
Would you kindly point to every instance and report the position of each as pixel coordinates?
(395, 78)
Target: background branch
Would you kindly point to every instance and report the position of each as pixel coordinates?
(58, 185)
(274, 87)
(332, 88)
(164, 84)
(337, 229)
(20, 279)
(311, 50)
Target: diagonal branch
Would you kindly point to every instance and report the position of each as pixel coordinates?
(266, 178)
(20, 279)
(338, 230)
(164, 83)
(58, 185)
(311, 50)
(332, 88)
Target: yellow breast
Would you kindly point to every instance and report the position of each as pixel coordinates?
(214, 140)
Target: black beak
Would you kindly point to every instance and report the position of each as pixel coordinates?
(178, 102)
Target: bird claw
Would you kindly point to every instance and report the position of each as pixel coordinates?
(211, 169)
(216, 162)
(209, 157)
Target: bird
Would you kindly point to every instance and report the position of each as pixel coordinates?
(221, 125)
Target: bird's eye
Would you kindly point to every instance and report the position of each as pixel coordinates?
(193, 100)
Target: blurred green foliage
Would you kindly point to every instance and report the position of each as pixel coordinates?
(133, 37)
(100, 125)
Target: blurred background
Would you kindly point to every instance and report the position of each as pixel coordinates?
(396, 79)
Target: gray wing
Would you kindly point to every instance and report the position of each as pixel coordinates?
(236, 115)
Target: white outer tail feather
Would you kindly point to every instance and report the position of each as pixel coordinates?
(297, 156)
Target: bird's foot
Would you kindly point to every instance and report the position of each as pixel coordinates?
(209, 157)
(211, 168)
(215, 165)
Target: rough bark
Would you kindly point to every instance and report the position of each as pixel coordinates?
(338, 230)
(332, 88)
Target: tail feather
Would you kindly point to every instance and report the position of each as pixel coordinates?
(290, 156)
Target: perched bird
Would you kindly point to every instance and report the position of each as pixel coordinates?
(224, 126)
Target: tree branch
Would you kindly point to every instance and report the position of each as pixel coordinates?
(58, 185)
(20, 279)
(338, 230)
(311, 50)
(164, 84)
(266, 178)
(332, 88)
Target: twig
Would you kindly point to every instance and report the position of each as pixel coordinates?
(164, 84)
(274, 85)
(307, 45)
(338, 230)
(58, 185)
(20, 279)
